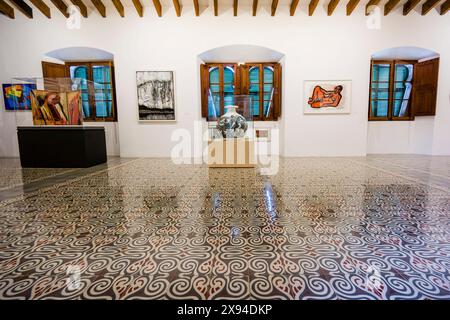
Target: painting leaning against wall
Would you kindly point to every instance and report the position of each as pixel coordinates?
(156, 98)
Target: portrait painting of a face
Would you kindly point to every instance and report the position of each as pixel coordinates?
(327, 97)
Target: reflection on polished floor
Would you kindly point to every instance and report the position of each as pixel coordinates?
(321, 228)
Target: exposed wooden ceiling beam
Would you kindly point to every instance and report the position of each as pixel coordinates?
(100, 7)
(23, 7)
(61, 6)
(80, 4)
(273, 8)
(409, 6)
(312, 6)
(196, 8)
(445, 7)
(42, 7)
(371, 3)
(389, 6)
(139, 8)
(294, 5)
(158, 7)
(428, 5)
(6, 9)
(119, 7)
(254, 7)
(235, 8)
(177, 7)
(351, 5)
(216, 8)
(331, 6)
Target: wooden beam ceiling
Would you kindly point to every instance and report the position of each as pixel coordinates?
(61, 6)
(445, 7)
(312, 6)
(351, 5)
(119, 7)
(80, 4)
(158, 7)
(294, 5)
(273, 8)
(216, 8)
(177, 6)
(196, 8)
(428, 5)
(23, 7)
(254, 7)
(139, 8)
(235, 8)
(389, 6)
(42, 7)
(98, 4)
(409, 6)
(331, 6)
(6, 9)
(371, 3)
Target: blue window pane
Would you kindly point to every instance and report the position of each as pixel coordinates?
(255, 108)
(228, 88)
(254, 88)
(86, 109)
(254, 75)
(403, 72)
(381, 72)
(380, 94)
(401, 108)
(268, 88)
(268, 75)
(228, 75)
(100, 109)
(78, 72)
(214, 75)
(228, 99)
(213, 106)
(101, 73)
(215, 88)
(267, 108)
(379, 108)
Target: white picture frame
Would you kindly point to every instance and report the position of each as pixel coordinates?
(327, 96)
(162, 101)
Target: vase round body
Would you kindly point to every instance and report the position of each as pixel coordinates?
(232, 124)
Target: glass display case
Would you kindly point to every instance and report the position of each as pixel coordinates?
(231, 132)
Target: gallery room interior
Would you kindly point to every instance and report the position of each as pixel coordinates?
(178, 149)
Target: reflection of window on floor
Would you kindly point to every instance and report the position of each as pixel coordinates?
(100, 104)
(401, 90)
(221, 82)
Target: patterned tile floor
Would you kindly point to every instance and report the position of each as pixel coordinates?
(321, 228)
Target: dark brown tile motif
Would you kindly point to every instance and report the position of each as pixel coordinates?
(322, 228)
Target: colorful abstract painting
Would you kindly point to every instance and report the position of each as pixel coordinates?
(56, 108)
(17, 96)
(327, 97)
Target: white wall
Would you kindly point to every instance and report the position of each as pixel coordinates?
(318, 47)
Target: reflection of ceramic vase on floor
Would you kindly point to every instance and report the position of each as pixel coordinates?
(232, 124)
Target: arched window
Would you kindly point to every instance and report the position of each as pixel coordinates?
(221, 82)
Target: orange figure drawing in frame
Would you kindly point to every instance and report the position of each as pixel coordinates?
(322, 98)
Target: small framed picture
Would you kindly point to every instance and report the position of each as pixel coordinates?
(327, 97)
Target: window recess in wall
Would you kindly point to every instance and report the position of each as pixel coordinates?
(402, 89)
(262, 81)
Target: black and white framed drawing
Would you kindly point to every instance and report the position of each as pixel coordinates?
(156, 96)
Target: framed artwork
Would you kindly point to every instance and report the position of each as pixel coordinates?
(329, 96)
(56, 108)
(17, 96)
(156, 95)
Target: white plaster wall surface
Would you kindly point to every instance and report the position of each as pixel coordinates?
(315, 48)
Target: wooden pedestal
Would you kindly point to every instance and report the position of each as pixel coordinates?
(231, 153)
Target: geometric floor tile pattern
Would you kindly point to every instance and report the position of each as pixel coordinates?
(375, 227)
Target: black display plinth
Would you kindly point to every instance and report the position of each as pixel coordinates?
(61, 146)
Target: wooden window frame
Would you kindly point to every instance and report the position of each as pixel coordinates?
(242, 86)
(90, 64)
(390, 115)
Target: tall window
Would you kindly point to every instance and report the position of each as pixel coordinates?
(221, 82)
(390, 90)
(98, 96)
(222, 85)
